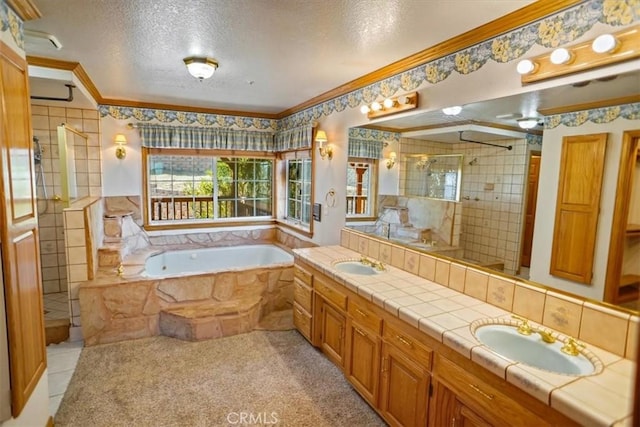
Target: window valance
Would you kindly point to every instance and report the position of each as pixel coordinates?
(368, 143)
(294, 139)
(159, 136)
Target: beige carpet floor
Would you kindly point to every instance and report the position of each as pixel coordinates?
(260, 378)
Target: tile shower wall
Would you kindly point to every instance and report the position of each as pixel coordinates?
(492, 214)
(492, 196)
(45, 121)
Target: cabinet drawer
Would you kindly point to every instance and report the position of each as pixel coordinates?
(409, 345)
(476, 393)
(302, 294)
(302, 321)
(329, 293)
(303, 275)
(365, 317)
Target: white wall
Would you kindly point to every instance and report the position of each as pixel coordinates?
(36, 412)
(120, 177)
(546, 205)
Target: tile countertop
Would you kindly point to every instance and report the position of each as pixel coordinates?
(603, 399)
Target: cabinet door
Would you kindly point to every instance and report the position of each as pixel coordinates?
(450, 412)
(362, 364)
(405, 384)
(332, 326)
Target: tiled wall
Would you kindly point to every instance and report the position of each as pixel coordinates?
(592, 323)
(45, 121)
(492, 224)
(83, 237)
(494, 185)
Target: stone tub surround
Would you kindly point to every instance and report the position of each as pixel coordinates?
(115, 308)
(444, 311)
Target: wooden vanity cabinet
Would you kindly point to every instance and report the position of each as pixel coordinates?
(302, 301)
(406, 377)
(330, 322)
(363, 345)
(462, 398)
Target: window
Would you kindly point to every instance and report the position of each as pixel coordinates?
(299, 190)
(360, 187)
(191, 188)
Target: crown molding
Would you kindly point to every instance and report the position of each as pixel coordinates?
(25, 9)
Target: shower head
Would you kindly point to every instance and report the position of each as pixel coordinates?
(473, 162)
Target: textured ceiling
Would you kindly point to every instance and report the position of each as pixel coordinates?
(273, 54)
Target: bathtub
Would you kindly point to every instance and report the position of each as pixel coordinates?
(189, 294)
(198, 261)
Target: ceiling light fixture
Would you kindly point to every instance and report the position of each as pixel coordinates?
(561, 56)
(200, 67)
(452, 111)
(526, 66)
(605, 43)
(528, 123)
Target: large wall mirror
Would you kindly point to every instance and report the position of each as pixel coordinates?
(490, 211)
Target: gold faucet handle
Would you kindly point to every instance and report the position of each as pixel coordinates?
(572, 347)
(379, 266)
(365, 261)
(120, 270)
(523, 328)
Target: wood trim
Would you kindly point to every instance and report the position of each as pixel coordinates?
(444, 126)
(50, 422)
(511, 21)
(530, 13)
(25, 9)
(589, 105)
(620, 214)
(305, 233)
(75, 67)
(211, 225)
(88, 241)
(209, 152)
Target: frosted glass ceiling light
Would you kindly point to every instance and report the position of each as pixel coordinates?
(528, 123)
(526, 66)
(606, 43)
(200, 68)
(452, 111)
(561, 56)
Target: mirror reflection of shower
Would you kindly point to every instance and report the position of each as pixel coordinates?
(41, 185)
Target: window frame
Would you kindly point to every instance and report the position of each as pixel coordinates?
(148, 224)
(373, 190)
(282, 198)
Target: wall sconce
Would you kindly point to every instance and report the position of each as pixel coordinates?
(391, 161)
(120, 140)
(391, 105)
(325, 151)
(606, 49)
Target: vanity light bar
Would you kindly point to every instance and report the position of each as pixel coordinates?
(393, 105)
(603, 50)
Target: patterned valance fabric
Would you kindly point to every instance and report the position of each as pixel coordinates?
(159, 136)
(294, 139)
(368, 143)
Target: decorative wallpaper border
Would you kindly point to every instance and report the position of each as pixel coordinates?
(11, 22)
(374, 135)
(555, 30)
(596, 115)
(533, 139)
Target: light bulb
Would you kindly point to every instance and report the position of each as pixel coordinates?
(365, 109)
(561, 56)
(376, 106)
(388, 103)
(526, 66)
(606, 43)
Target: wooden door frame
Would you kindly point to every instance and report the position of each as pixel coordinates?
(532, 153)
(620, 213)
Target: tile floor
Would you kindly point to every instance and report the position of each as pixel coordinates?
(61, 362)
(56, 306)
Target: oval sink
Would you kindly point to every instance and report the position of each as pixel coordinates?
(531, 350)
(355, 267)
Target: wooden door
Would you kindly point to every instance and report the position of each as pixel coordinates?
(404, 389)
(20, 251)
(332, 333)
(577, 207)
(362, 362)
(530, 210)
